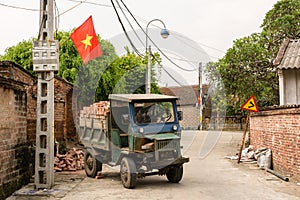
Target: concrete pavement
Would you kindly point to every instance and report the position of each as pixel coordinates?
(209, 178)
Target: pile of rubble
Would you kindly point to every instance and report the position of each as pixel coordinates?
(71, 161)
(261, 156)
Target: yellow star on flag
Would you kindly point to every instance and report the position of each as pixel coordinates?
(87, 41)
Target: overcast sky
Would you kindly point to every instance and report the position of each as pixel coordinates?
(213, 24)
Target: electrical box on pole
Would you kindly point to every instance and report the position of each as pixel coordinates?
(45, 58)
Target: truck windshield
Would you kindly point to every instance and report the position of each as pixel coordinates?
(153, 112)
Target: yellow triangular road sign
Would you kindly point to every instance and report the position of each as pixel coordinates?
(250, 105)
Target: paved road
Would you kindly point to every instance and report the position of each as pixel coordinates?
(209, 178)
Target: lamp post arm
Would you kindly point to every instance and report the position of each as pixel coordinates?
(147, 30)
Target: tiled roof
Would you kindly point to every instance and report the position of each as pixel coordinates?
(288, 56)
(187, 94)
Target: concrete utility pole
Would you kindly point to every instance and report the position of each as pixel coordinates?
(148, 74)
(200, 96)
(45, 62)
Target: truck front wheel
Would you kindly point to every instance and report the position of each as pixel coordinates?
(91, 165)
(128, 173)
(175, 173)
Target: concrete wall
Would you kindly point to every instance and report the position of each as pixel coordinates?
(279, 130)
(289, 86)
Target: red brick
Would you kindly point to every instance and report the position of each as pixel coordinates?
(278, 129)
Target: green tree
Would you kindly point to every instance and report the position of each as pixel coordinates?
(126, 74)
(20, 54)
(69, 59)
(282, 21)
(100, 77)
(247, 67)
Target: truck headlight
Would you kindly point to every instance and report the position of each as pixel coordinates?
(141, 130)
(174, 127)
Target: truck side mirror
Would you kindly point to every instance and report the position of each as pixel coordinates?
(179, 115)
(125, 119)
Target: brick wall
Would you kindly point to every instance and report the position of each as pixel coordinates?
(279, 130)
(64, 123)
(15, 153)
(18, 101)
(190, 117)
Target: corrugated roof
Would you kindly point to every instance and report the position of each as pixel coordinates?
(288, 56)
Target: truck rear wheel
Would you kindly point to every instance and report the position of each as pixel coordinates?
(128, 173)
(175, 173)
(91, 164)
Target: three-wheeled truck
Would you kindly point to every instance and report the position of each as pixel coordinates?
(139, 132)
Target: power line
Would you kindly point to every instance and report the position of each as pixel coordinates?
(166, 71)
(154, 43)
(144, 21)
(124, 30)
(130, 24)
(211, 47)
(57, 18)
(79, 3)
(18, 7)
(102, 5)
(184, 42)
(92, 3)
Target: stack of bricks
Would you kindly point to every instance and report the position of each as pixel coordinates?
(96, 113)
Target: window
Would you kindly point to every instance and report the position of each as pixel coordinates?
(153, 112)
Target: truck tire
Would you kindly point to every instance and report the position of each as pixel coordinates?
(175, 173)
(91, 165)
(128, 173)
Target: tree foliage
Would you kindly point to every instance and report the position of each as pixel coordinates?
(282, 21)
(126, 75)
(247, 67)
(20, 54)
(100, 77)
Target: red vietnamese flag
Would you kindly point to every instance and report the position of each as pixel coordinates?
(86, 41)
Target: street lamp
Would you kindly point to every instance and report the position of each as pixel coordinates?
(164, 33)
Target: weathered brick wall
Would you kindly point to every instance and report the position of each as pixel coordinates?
(279, 130)
(64, 123)
(31, 114)
(71, 111)
(12, 71)
(18, 101)
(15, 153)
(190, 117)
